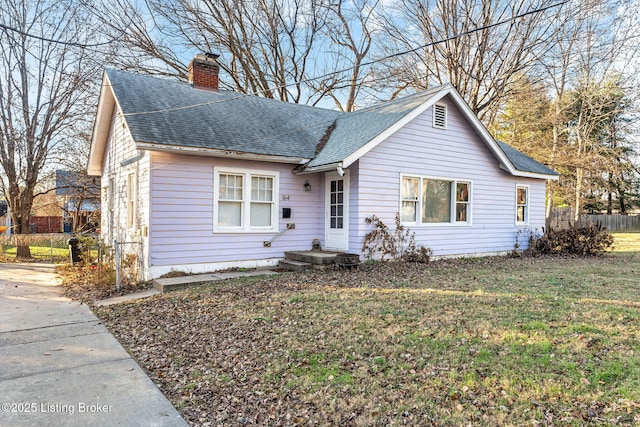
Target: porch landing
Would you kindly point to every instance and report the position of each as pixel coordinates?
(303, 260)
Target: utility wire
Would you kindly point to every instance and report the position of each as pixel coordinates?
(63, 42)
(365, 64)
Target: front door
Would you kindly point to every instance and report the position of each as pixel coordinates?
(336, 216)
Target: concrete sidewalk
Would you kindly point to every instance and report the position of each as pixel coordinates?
(60, 366)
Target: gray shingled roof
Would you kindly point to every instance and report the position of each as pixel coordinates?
(250, 124)
(223, 120)
(354, 130)
(524, 163)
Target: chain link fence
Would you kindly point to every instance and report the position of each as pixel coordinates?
(123, 257)
(50, 247)
(127, 257)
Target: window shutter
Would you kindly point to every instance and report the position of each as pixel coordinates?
(440, 116)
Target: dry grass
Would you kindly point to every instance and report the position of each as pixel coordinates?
(493, 341)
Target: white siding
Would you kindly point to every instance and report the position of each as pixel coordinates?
(120, 146)
(456, 153)
(181, 227)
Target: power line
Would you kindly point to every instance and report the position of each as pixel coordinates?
(365, 64)
(62, 42)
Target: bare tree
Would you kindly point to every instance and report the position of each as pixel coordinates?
(350, 29)
(267, 46)
(45, 79)
(272, 48)
(593, 43)
(467, 47)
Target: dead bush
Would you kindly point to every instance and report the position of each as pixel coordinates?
(588, 240)
(397, 245)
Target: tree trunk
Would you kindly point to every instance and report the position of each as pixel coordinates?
(20, 205)
(550, 184)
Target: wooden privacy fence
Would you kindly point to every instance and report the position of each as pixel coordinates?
(563, 217)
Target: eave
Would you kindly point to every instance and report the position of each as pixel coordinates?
(100, 135)
(226, 154)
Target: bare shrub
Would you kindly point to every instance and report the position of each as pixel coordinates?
(399, 244)
(588, 240)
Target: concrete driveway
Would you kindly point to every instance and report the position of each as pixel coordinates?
(60, 366)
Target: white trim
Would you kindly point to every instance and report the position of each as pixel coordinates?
(527, 205)
(246, 199)
(353, 157)
(315, 169)
(106, 103)
(452, 221)
(226, 154)
(447, 89)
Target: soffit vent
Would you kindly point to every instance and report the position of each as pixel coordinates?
(440, 116)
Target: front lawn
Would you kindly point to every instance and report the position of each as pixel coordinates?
(492, 341)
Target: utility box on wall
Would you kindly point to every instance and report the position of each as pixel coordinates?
(286, 212)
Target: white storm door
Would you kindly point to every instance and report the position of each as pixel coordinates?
(336, 216)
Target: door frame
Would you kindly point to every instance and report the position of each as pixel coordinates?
(330, 242)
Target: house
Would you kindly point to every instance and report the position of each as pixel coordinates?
(207, 179)
(79, 197)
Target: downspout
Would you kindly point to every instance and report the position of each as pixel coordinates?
(133, 159)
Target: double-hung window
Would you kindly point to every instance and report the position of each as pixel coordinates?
(245, 200)
(435, 200)
(522, 204)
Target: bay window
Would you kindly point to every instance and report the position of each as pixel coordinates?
(435, 200)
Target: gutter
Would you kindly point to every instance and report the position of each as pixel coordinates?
(301, 170)
(214, 152)
(133, 159)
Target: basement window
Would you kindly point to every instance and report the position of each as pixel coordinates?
(440, 116)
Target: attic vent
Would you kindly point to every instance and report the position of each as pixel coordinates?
(440, 116)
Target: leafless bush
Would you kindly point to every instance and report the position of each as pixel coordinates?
(399, 244)
(588, 240)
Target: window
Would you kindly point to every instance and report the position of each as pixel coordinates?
(462, 201)
(440, 116)
(336, 204)
(131, 200)
(435, 201)
(409, 199)
(245, 200)
(522, 204)
(112, 193)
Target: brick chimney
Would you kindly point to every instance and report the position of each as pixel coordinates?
(203, 71)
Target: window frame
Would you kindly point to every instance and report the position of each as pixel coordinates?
(131, 200)
(445, 113)
(246, 202)
(526, 205)
(452, 201)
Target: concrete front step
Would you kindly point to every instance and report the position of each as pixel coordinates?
(176, 283)
(312, 257)
(293, 265)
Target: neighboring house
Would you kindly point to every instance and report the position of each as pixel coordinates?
(79, 197)
(204, 178)
(45, 215)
